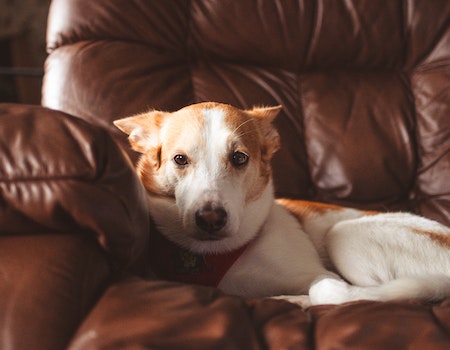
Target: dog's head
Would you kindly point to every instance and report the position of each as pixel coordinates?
(207, 170)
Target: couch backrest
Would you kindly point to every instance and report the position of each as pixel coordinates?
(365, 85)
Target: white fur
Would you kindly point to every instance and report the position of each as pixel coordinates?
(383, 256)
(280, 260)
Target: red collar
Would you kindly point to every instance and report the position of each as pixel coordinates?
(171, 262)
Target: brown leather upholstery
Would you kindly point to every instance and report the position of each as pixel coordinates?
(364, 84)
(72, 217)
(365, 89)
(64, 175)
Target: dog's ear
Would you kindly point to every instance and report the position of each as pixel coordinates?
(265, 116)
(142, 129)
(266, 113)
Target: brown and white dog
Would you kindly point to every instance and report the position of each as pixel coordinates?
(207, 171)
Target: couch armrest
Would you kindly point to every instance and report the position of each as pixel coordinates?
(48, 284)
(61, 174)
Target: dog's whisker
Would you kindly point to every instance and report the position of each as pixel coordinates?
(240, 125)
(246, 133)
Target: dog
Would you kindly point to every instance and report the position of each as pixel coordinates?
(207, 171)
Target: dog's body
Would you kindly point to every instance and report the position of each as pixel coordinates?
(207, 171)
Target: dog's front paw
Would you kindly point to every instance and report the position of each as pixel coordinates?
(301, 300)
(329, 291)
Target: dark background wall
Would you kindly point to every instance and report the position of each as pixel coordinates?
(22, 49)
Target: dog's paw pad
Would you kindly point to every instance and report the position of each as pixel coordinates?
(329, 291)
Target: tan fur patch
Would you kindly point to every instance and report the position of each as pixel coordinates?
(370, 212)
(250, 134)
(146, 168)
(303, 209)
(439, 238)
(247, 136)
(179, 130)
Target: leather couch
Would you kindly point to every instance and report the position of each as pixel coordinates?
(365, 89)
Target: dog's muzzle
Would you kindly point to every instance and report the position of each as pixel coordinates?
(211, 219)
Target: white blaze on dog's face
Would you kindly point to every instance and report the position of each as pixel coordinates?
(207, 169)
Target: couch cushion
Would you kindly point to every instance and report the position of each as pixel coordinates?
(139, 314)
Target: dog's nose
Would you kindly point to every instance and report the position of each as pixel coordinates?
(211, 219)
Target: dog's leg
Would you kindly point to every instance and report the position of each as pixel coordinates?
(326, 289)
(281, 260)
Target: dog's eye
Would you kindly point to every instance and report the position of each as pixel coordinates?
(181, 160)
(239, 159)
